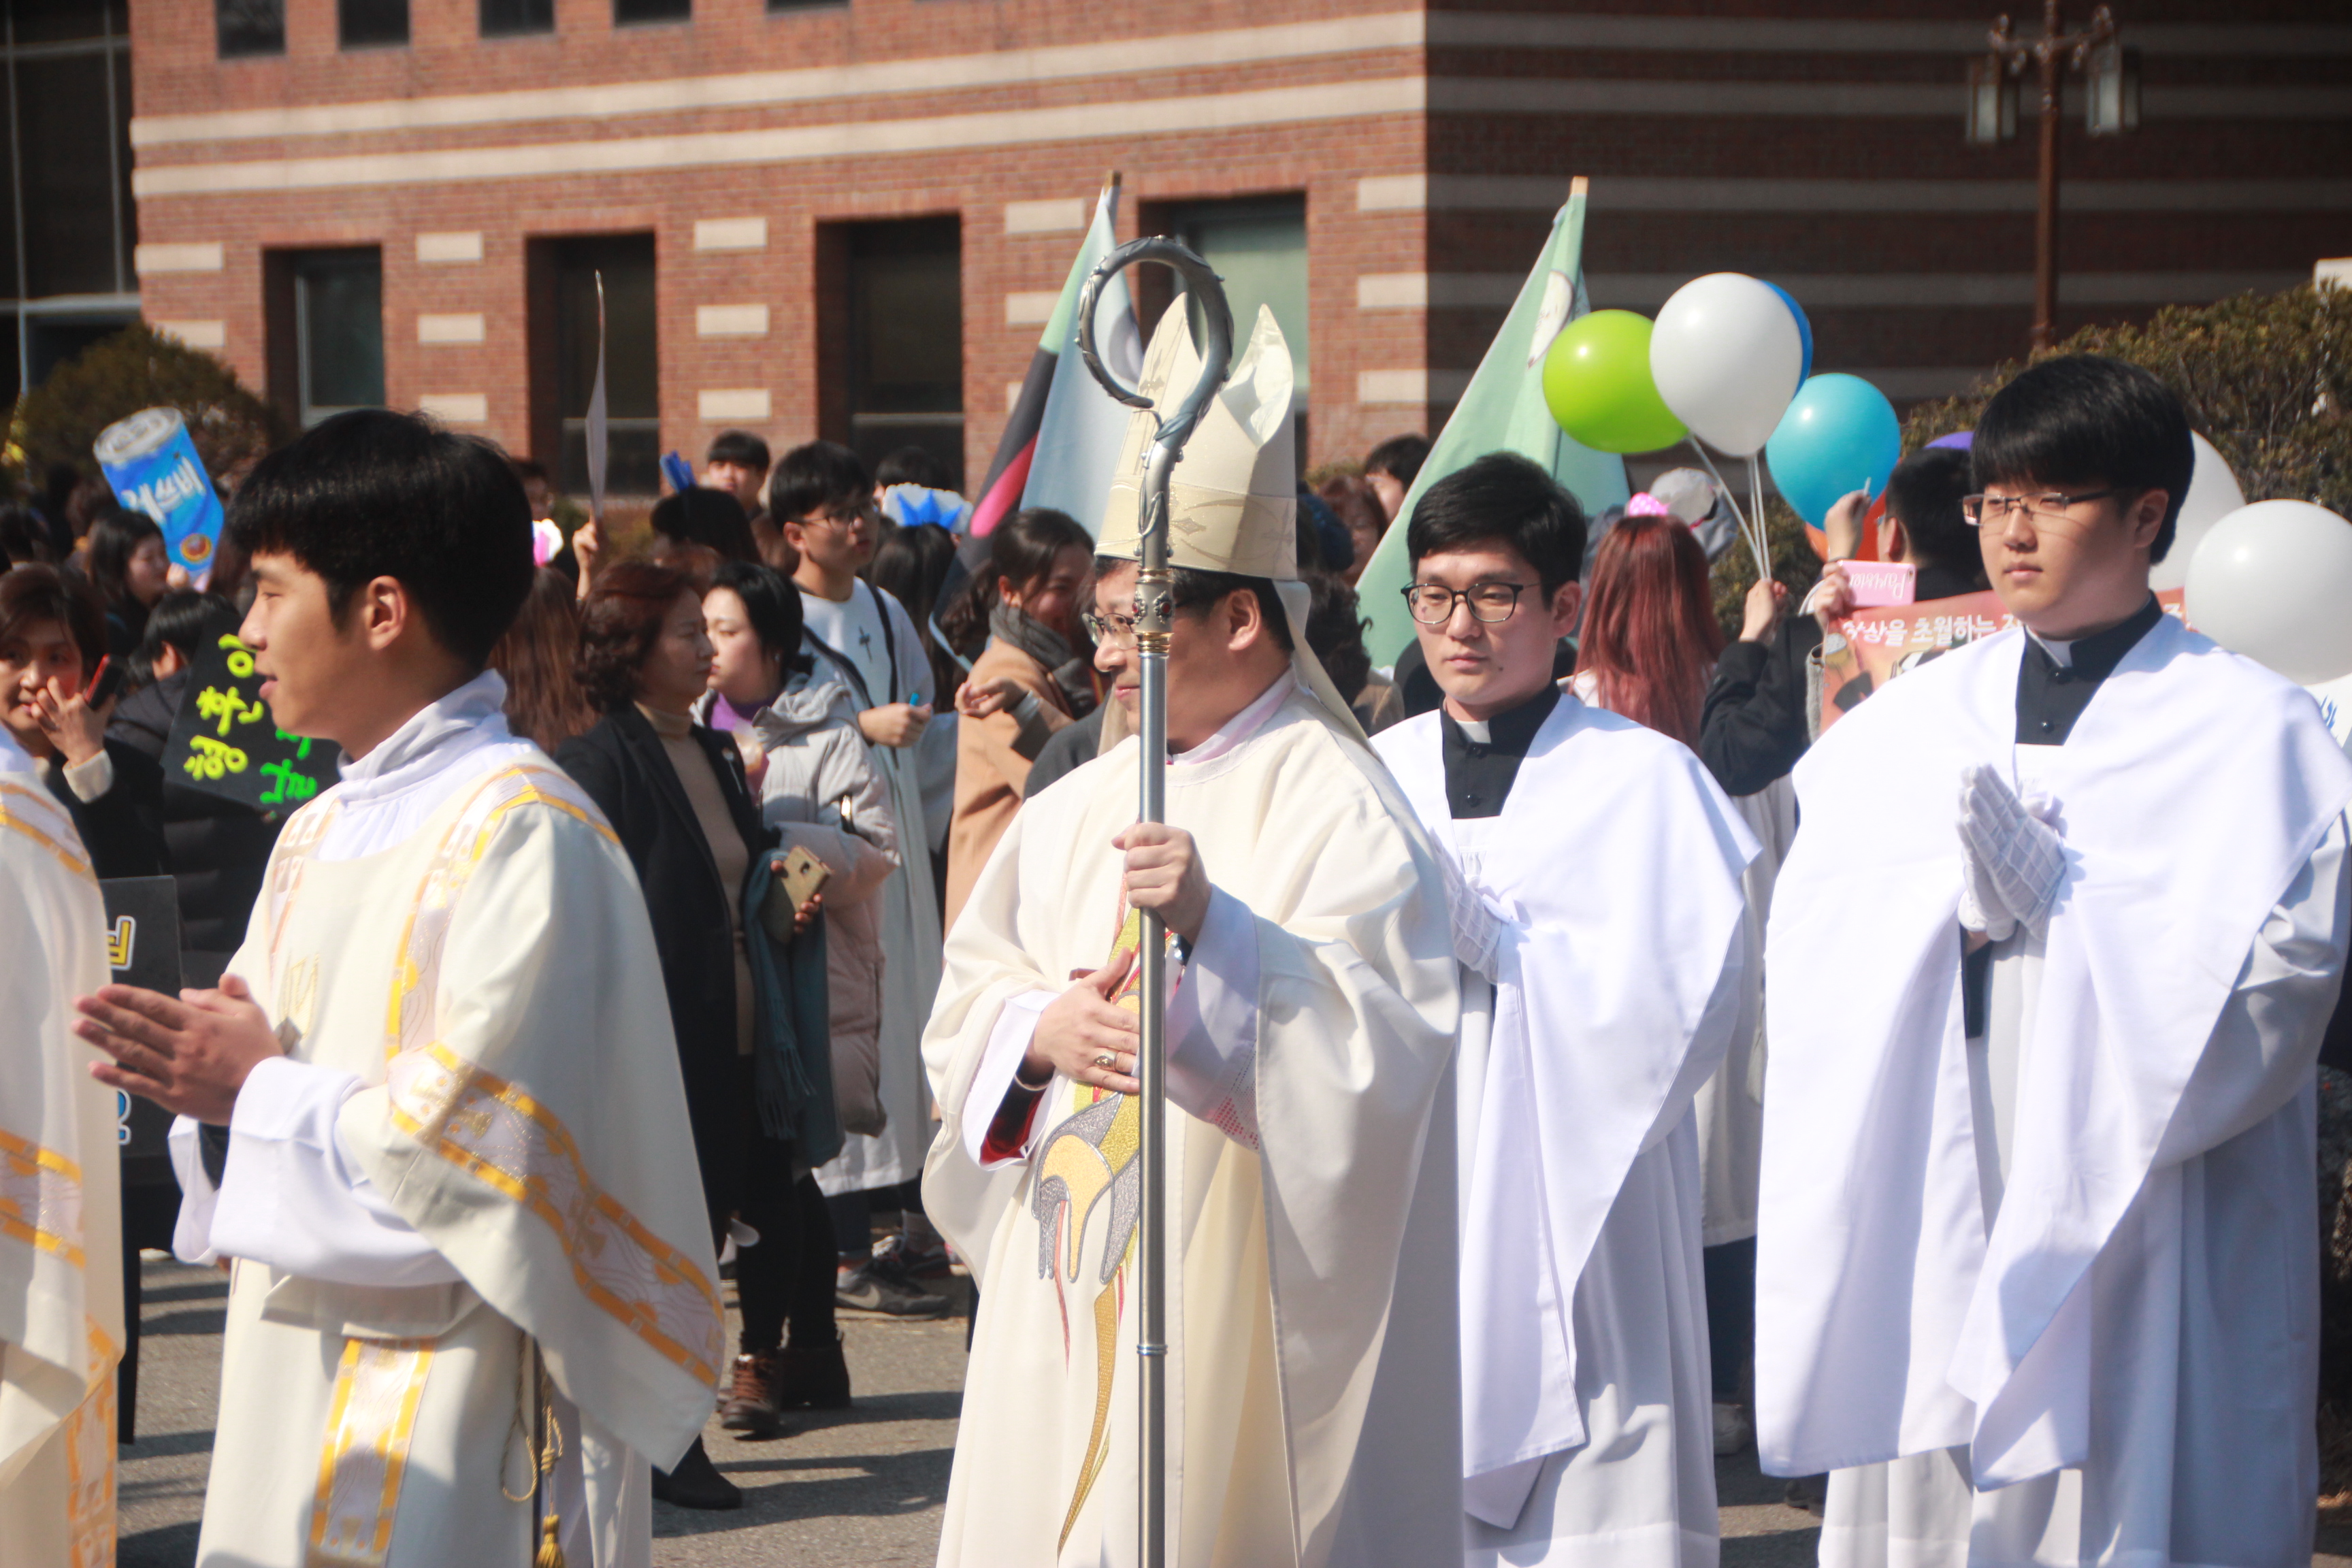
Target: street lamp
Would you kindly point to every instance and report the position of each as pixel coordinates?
(2111, 109)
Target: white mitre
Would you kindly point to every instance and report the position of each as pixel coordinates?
(1232, 499)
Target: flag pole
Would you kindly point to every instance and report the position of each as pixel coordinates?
(1153, 611)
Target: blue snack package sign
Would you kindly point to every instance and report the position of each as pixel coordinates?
(153, 465)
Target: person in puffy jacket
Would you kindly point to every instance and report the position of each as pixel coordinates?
(797, 731)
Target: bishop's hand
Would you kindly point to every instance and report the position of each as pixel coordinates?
(189, 1055)
(1085, 1036)
(1164, 874)
(2011, 858)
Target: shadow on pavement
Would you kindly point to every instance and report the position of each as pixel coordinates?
(779, 1485)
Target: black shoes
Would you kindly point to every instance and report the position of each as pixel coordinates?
(695, 1483)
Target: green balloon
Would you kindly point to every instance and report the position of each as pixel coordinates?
(1597, 384)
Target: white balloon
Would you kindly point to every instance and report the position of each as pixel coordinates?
(2213, 494)
(1727, 356)
(2273, 580)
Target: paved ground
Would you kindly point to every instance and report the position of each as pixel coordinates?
(861, 1489)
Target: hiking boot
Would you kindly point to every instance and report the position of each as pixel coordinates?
(752, 1406)
(695, 1483)
(813, 1377)
(866, 1289)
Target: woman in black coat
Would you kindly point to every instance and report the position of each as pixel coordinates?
(675, 793)
(52, 636)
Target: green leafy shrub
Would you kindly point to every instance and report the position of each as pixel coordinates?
(58, 421)
(2267, 379)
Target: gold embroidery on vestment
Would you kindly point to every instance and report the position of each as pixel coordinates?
(378, 1386)
(34, 819)
(40, 1198)
(1091, 1153)
(496, 1133)
(90, 1461)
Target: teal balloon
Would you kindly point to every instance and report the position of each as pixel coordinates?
(1597, 384)
(1840, 435)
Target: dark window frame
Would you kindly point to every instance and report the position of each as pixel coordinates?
(383, 37)
(259, 30)
(539, 23)
(664, 13)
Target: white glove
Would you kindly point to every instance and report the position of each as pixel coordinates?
(2012, 860)
(1477, 930)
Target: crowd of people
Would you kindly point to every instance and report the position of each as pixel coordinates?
(1581, 1062)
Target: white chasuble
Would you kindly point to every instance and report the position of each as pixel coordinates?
(482, 998)
(1310, 1365)
(60, 1204)
(1620, 979)
(2063, 1275)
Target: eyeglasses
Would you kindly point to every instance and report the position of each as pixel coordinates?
(1997, 512)
(1108, 630)
(841, 524)
(1491, 603)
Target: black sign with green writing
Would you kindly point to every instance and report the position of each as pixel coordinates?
(225, 741)
(142, 949)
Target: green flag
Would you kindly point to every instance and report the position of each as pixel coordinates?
(1502, 411)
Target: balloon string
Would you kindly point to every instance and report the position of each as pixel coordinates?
(1730, 499)
(1762, 542)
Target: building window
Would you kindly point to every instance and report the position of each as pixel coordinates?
(249, 27)
(626, 13)
(367, 24)
(562, 325)
(67, 220)
(901, 368)
(326, 329)
(1258, 247)
(504, 18)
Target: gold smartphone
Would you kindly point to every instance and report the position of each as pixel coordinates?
(799, 875)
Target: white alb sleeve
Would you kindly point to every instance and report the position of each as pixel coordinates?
(192, 1233)
(1212, 1024)
(1008, 1042)
(292, 1199)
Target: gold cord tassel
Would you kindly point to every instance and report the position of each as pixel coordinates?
(550, 1553)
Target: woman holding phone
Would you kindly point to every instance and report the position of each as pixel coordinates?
(59, 688)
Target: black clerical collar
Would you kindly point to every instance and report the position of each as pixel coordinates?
(2051, 695)
(1479, 773)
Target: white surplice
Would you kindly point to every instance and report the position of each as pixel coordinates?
(61, 1196)
(1311, 1362)
(1620, 979)
(476, 1143)
(2065, 1276)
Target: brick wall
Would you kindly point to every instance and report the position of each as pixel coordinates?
(1830, 158)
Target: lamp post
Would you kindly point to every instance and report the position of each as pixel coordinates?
(2113, 108)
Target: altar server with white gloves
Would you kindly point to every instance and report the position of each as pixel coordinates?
(1600, 917)
(2050, 964)
(443, 1135)
(60, 1201)
(1311, 1355)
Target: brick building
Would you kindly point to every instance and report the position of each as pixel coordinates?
(849, 218)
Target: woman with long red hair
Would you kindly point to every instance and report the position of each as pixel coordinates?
(1650, 638)
(1648, 651)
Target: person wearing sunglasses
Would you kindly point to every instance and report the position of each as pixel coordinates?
(2050, 964)
(1601, 932)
